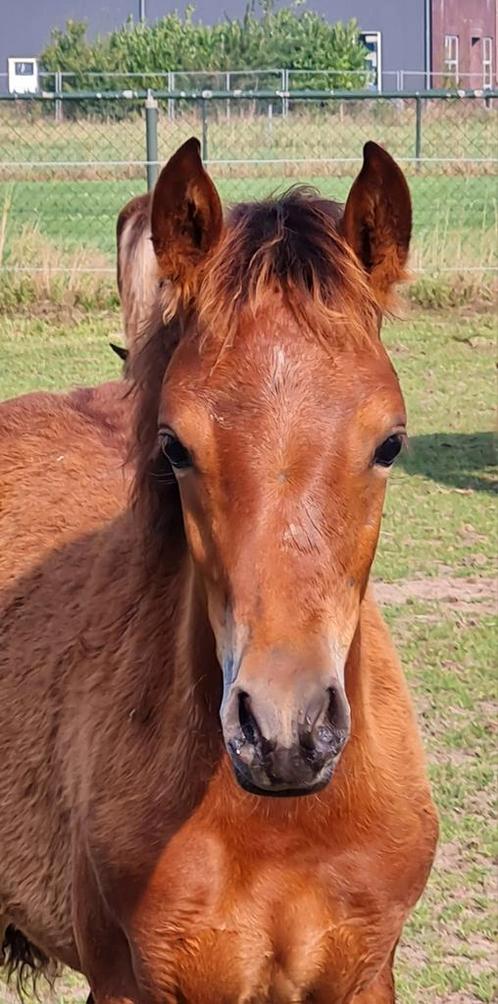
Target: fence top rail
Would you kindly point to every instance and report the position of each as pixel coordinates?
(277, 95)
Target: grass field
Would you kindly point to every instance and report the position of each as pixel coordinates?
(456, 218)
(70, 179)
(458, 129)
(437, 577)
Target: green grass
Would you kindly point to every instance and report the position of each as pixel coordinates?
(439, 511)
(455, 218)
(448, 945)
(439, 524)
(71, 178)
(45, 354)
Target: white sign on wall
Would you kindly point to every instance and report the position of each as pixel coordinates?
(23, 75)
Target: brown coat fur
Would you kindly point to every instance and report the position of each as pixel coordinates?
(127, 848)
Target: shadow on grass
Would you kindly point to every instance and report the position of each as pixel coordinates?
(465, 461)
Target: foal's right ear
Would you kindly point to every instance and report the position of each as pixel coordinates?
(186, 216)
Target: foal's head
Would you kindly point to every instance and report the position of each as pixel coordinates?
(279, 415)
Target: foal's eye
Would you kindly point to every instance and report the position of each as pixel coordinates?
(386, 453)
(174, 451)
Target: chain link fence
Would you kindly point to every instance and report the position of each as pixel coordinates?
(66, 170)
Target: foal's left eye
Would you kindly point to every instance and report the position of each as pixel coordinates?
(174, 451)
(386, 453)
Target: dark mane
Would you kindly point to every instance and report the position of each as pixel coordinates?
(290, 230)
(154, 498)
(291, 244)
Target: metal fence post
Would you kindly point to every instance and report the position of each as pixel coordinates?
(171, 101)
(418, 130)
(285, 102)
(58, 90)
(204, 113)
(151, 116)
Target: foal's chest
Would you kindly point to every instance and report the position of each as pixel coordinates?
(289, 929)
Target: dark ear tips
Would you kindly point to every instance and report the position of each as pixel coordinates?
(189, 153)
(371, 148)
(376, 158)
(194, 145)
(119, 350)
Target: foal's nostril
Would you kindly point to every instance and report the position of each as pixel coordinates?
(334, 707)
(248, 723)
(329, 731)
(338, 709)
(334, 729)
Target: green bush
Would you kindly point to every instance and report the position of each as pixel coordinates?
(289, 38)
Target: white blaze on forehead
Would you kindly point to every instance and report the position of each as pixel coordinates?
(278, 367)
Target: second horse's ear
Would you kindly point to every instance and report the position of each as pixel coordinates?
(186, 216)
(119, 350)
(377, 220)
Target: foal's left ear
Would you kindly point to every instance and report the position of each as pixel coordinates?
(186, 215)
(377, 220)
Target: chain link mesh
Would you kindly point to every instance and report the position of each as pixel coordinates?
(68, 166)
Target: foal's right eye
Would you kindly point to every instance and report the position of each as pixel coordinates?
(386, 453)
(174, 450)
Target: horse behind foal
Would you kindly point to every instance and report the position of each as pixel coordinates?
(212, 783)
(137, 273)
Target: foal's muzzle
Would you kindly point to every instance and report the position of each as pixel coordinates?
(280, 744)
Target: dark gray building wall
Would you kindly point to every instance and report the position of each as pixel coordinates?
(25, 25)
(401, 23)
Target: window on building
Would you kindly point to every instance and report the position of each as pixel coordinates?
(487, 62)
(451, 56)
(372, 40)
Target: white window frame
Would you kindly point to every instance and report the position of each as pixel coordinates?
(452, 56)
(378, 37)
(487, 61)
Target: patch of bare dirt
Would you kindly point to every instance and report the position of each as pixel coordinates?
(478, 595)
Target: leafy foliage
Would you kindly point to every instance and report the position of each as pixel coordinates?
(290, 38)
